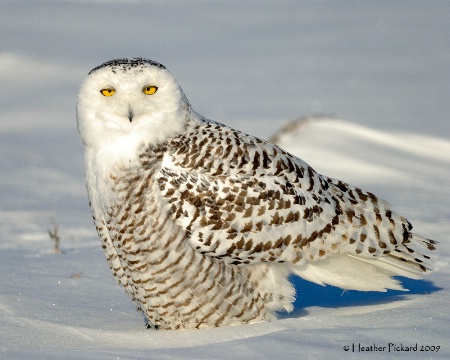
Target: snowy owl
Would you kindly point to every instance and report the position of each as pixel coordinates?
(202, 224)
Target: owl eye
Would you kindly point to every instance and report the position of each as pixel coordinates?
(149, 89)
(108, 92)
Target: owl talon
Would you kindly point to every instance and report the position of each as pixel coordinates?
(150, 326)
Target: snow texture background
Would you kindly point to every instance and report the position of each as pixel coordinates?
(381, 70)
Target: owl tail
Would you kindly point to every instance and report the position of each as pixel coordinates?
(353, 272)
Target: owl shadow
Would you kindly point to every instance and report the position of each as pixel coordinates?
(310, 294)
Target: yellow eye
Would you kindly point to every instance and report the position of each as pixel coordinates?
(149, 89)
(108, 92)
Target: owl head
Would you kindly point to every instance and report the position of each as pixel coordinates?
(125, 103)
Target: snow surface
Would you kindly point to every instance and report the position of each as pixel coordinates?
(255, 65)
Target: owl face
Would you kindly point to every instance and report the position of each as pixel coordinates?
(127, 102)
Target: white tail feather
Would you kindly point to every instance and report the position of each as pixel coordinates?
(348, 272)
(393, 265)
(354, 272)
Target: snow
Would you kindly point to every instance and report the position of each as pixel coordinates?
(382, 66)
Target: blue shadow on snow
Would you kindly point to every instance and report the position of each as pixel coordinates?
(310, 294)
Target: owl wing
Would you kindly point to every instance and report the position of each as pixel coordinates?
(241, 219)
(245, 201)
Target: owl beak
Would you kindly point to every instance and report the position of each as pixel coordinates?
(130, 114)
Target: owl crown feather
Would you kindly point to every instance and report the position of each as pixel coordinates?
(127, 64)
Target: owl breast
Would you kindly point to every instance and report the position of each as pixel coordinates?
(173, 285)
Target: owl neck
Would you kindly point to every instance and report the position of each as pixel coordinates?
(122, 150)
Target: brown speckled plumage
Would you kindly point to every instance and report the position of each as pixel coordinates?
(203, 226)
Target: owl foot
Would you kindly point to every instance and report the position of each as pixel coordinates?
(150, 326)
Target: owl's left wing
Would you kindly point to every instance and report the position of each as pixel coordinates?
(243, 200)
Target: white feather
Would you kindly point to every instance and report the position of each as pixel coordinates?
(348, 273)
